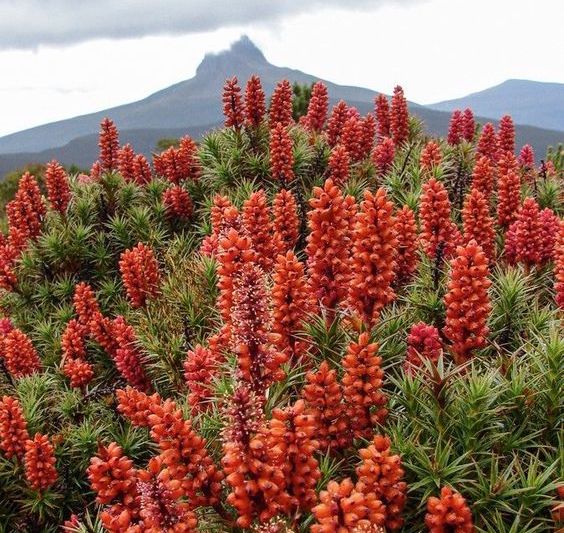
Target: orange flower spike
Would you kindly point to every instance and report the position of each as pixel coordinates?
(383, 155)
(508, 197)
(127, 357)
(126, 158)
(373, 257)
(318, 107)
(286, 222)
(469, 125)
(233, 108)
(527, 158)
(109, 146)
(467, 302)
(406, 253)
(423, 343)
(79, 372)
(339, 163)
(58, 189)
(177, 202)
(13, 428)
(449, 513)
(281, 105)
(40, 471)
(382, 112)
(524, 239)
(368, 134)
(477, 223)
(362, 383)
(20, 357)
(200, 368)
(25, 212)
(399, 117)
(339, 115)
(72, 340)
(188, 156)
(550, 226)
(257, 224)
(8, 256)
(136, 405)
(559, 267)
(140, 274)
(85, 304)
(430, 156)
(483, 176)
(506, 135)
(281, 155)
(254, 102)
(488, 143)
(352, 134)
(141, 170)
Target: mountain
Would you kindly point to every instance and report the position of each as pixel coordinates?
(192, 107)
(528, 102)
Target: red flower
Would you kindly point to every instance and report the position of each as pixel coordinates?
(85, 304)
(137, 406)
(559, 267)
(317, 108)
(477, 223)
(72, 340)
(20, 357)
(79, 372)
(140, 274)
(524, 239)
(109, 146)
(449, 513)
(281, 105)
(399, 117)
(286, 222)
(188, 156)
(254, 102)
(423, 343)
(40, 471)
(126, 158)
(233, 108)
(281, 155)
(339, 163)
(506, 134)
(527, 157)
(177, 202)
(487, 143)
(141, 170)
(367, 134)
(13, 428)
(467, 302)
(382, 111)
(430, 156)
(8, 256)
(224, 216)
(508, 197)
(383, 155)
(352, 134)
(455, 128)
(58, 190)
(200, 368)
(550, 226)
(95, 172)
(339, 115)
(406, 255)
(483, 177)
(127, 357)
(469, 126)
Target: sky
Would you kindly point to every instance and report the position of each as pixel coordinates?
(62, 58)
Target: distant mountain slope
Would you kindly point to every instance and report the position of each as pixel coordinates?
(528, 102)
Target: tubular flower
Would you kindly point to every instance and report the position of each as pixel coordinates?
(109, 146)
(381, 473)
(126, 157)
(200, 368)
(483, 177)
(351, 135)
(467, 302)
(58, 190)
(40, 471)
(550, 226)
(177, 202)
(506, 134)
(342, 509)
(373, 257)
(362, 383)
(469, 127)
(477, 223)
(291, 305)
(254, 102)
(224, 216)
(406, 252)
(330, 222)
(140, 274)
(79, 372)
(430, 156)
(13, 428)
(423, 343)
(281, 105)
(508, 197)
(20, 356)
(526, 157)
(233, 108)
(339, 162)
(383, 155)
(324, 399)
(25, 212)
(281, 155)
(559, 267)
(382, 111)
(318, 107)
(449, 513)
(141, 170)
(286, 222)
(339, 115)
(437, 228)
(487, 143)
(399, 117)
(524, 240)
(368, 133)
(85, 305)
(455, 128)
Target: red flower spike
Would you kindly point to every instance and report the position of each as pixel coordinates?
(40, 471)
(373, 257)
(102, 331)
(224, 216)
(233, 108)
(559, 267)
(467, 302)
(477, 223)
(423, 343)
(200, 368)
(79, 372)
(382, 112)
(137, 406)
(281, 155)
(324, 399)
(177, 202)
(449, 513)
(58, 189)
(506, 135)
(483, 176)
(141, 170)
(140, 274)
(469, 125)
(254, 102)
(20, 357)
(95, 172)
(406, 252)
(339, 163)
(455, 128)
(339, 115)
(362, 383)
(127, 356)
(399, 117)
(13, 428)
(286, 221)
(109, 146)
(524, 239)
(25, 212)
(383, 155)
(368, 124)
(188, 155)
(72, 340)
(126, 158)
(527, 157)
(508, 197)
(352, 135)
(550, 226)
(437, 228)
(381, 473)
(430, 156)
(281, 105)
(318, 107)
(8, 256)
(487, 143)
(85, 305)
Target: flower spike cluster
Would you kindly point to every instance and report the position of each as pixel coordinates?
(257, 224)
(430, 156)
(488, 143)
(318, 107)
(508, 197)
(40, 471)
(140, 274)
(281, 155)
(336, 122)
(449, 513)
(200, 368)
(57, 183)
(469, 127)
(339, 163)
(383, 155)
(13, 428)
(382, 112)
(254, 102)
(233, 108)
(75, 366)
(478, 225)
(455, 128)
(281, 105)
(177, 202)
(423, 344)
(506, 135)
(483, 176)
(126, 158)
(109, 146)
(406, 252)
(399, 117)
(524, 238)
(20, 357)
(286, 222)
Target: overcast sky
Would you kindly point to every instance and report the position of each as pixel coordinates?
(61, 58)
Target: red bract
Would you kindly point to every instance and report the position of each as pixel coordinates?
(20, 357)
(339, 163)
(200, 368)
(430, 156)
(506, 134)
(40, 471)
(254, 102)
(173, 165)
(524, 239)
(233, 109)
(362, 383)
(141, 170)
(406, 254)
(508, 197)
(109, 146)
(317, 108)
(126, 158)
(140, 274)
(57, 183)
(483, 176)
(437, 228)
(382, 112)
(25, 212)
(559, 267)
(13, 428)
(286, 222)
(487, 143)
(281, 105)
(455, 128)
(449, 513)
(177, 202)
(188, 155)
(373, 257)
(399, 117)
(339, 115)
(281, 155)
(477, 223)
(469, 126)
(383, 155)
(423, 344)
(467, 302)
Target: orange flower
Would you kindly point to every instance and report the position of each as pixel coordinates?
(487, 143)
(449, 513)
(455, 128)
(224, 216)
(351, 134)
(257, 224)
(40, 471)
(483, 176)
(506, 135)
(281, 105)
(559, 267)
(13, 428)
(20, 357)
(406, 253)
(550, 226)
(469, 126)
(430, 156)
(339, 163)
(423, 343)
(233, 108)
(508, 197)
(281, 155)
(524, 238)
(25, 212)
(317, 108)
(477, 223)
(339, 115)
(254, 102)
(141, 170)
(109, 146)
(85, 304)
(200, 368)
(126, 158)
(399, 117)
(127, 356)
(72, 340)
(383, 155)
(177, 202)
(140, 274)
(367, 135)
(79, 372)
(382, 111)
(286, 221)
(57, 183)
